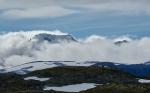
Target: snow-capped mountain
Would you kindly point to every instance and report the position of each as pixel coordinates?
(53, 38)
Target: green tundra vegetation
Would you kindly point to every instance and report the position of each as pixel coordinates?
(112, 80)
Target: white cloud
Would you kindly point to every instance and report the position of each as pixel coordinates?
(45, 12)
(121, 6)
(16, 48)
(55, 8)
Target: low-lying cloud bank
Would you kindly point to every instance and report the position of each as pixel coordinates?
(16, 48)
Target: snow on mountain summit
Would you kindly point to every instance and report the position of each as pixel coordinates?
(53, 38)
(122, 40)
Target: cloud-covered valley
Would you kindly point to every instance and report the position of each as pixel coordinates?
(18, 48)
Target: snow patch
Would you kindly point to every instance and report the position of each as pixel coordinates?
(31, 66)
(144, 81)
(36, 78)
(73, 88)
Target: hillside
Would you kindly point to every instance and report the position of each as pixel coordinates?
(105, 79)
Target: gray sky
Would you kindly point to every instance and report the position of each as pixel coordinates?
(19, 9)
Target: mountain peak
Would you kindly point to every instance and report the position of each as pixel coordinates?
(120, 42)
(51, 38)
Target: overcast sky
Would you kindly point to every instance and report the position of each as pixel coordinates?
(104, 17)
(19, 9)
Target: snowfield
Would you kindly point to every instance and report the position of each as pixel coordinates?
(39, 65)
(72, 88)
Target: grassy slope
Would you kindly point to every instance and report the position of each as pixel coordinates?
(119, 82)
(73, 75)
(120, 88)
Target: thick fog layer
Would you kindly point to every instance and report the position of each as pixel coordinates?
(18, 48)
